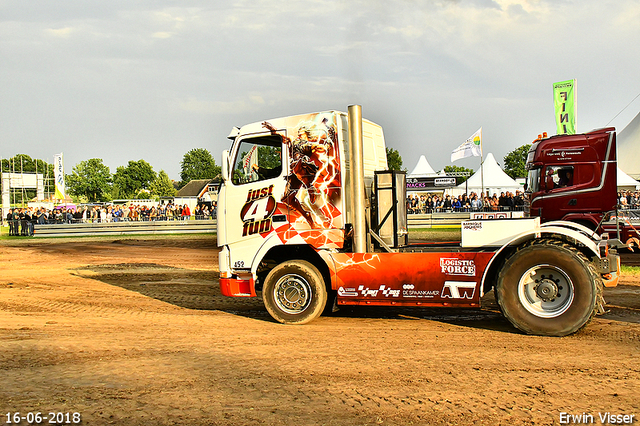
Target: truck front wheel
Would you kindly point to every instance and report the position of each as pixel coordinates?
(294, 292)
(548, 288)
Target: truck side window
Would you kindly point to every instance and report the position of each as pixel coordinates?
(565, 177)
(257, 158)
(559, 177)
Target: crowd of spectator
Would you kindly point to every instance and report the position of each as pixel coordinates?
(23, 220)
(435, 203)
(629, 199)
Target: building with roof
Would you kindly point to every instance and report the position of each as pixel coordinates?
(200, 191)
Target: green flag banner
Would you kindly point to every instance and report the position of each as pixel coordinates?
(566, 106)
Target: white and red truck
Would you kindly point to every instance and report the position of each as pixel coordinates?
(308, 215)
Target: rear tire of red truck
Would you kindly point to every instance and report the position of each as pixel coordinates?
(294, 292)
(548, 288)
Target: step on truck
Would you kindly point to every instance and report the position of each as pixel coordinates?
(309, 216)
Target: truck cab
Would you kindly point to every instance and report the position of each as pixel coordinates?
(572, 177)
(284, 190)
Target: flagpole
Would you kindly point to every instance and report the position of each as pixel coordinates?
(481, 167)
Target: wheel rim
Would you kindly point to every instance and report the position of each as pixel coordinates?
(546, 291)
(292, 294)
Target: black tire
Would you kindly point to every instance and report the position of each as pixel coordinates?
(294, 292)
(548, 288)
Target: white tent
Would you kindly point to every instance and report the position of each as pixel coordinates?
(626, 182)
(422, 169)
(495, 180)
(629, 146)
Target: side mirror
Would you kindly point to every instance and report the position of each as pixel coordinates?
(225, 165)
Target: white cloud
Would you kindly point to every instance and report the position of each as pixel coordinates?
(60, 32)
(163, 34)
(245, 105)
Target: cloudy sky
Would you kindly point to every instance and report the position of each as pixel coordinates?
(127, 80)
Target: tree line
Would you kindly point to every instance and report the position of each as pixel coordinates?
(92, 181)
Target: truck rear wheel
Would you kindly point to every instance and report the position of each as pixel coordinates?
(548, 288)
(294, 292)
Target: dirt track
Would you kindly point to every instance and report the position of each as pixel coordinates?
(135, 332)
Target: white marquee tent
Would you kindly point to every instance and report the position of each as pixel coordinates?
(495, 180)
(629, 146)
(422, 169)
(626, 182)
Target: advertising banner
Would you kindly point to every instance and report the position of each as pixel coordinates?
(437, 182)
(58, 167)
(566, 106)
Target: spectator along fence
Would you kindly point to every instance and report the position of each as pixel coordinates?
(147, 227)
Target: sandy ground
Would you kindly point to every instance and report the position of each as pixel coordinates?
(135, 332)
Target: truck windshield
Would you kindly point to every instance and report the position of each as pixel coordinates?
(257, 158)
(533, 180)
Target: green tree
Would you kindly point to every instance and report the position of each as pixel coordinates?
(515, 162)
(26, 164)
(269, 157)
(198, 164)
(162, 186)
(459, 169)
(130, 180)
(90, 179)
(394, 160)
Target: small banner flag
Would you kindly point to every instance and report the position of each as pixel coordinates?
(472, 147)
(58, 166)
(565, 102)
(250, 159)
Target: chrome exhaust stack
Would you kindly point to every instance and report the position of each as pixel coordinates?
(356, 180)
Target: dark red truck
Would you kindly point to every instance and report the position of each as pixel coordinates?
(573, 177)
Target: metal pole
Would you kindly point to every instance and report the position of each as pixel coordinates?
(481, 175)
(37, 182)
(22, 192)
(13, 171)
(481, 164)
(356, 184)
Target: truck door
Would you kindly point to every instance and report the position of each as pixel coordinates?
(257, 180)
